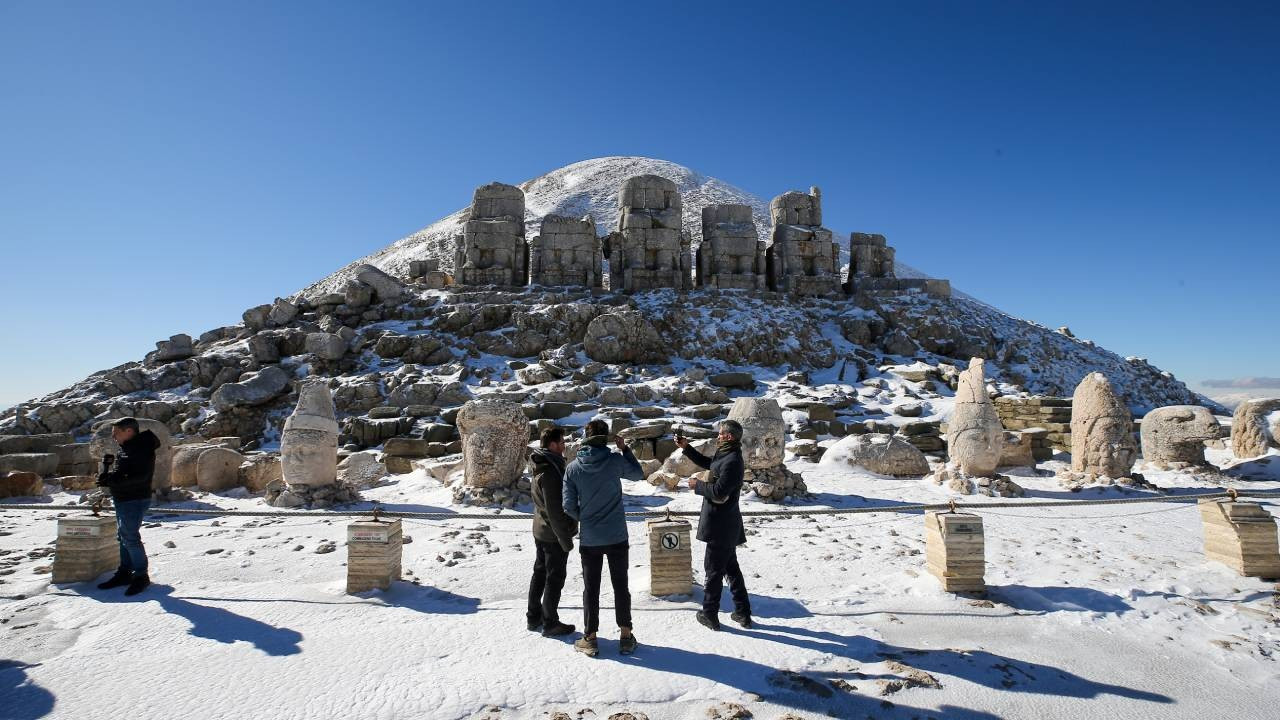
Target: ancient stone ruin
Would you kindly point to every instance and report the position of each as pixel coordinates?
(566, 252)
(309, 453)
(871, 269)
(492, 249)
(801, 258)
(764, 437)
(731, 255)
(1102, 445)
(1175, 436)
(1251, 429)
(494, 436)
(649, 250)
(975, 440)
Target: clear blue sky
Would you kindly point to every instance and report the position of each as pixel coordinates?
(164, 166)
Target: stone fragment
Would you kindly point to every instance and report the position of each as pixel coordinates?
(764, 432)
(623, 336)
(974, 433)
(1101, 430)
(385, 287)
(218, 469)
(259, 388)
(566, 252)
(326, 346)
(42, 464)
(736, 380)
(1016, 449)
(405, 447)
(257, 471)
(20, 484)
(1250, 434)
(880, 453)
(282, 312)
(177, 347)
(361, 469)
(1177, 434)
(493, 443)
(309, 442)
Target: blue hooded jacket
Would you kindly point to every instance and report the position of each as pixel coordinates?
(593, 493)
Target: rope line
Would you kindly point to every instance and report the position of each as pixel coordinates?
(645, 514)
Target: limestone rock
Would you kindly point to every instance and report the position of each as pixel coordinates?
(739, 380)
(1177, 434)
(309, 443)
(1101, 430)
(282, 312)
(218, 469)
(261, 387)
(258, 471)
(326, 346)
(177, 347)
(623, 336)
(1016, 450)
(361, 469)
(42, 464)
(764, 432)
(1250, 436)
(493, 443)
(880, 453)
(20, 484)
(386, 287)
(974, 432)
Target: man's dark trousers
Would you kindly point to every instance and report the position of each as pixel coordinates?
(719, 562)
(129, 514)
(593, 557)
(547, 582)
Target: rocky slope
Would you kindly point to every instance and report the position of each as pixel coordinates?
(411, 359)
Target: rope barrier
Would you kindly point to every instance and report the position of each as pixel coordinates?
(951, 506)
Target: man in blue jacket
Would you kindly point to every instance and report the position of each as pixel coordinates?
(720, 524)
(593, 497)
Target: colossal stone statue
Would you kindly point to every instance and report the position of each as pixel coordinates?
(492, 249)
(975, 436)
(309, 443)
(1101, 430)
(566, 252)
(494, 435)
(731, 254)
(801, 258)
(648, 250)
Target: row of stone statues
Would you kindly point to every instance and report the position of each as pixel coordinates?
(651, 250)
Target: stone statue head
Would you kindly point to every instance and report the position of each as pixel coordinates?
(764, 431)
(494, 436)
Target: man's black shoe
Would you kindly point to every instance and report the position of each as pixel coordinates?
(138, 584)
(120, 578)
(534, 625)
(556, 628)
(742, 619)
(708, 621)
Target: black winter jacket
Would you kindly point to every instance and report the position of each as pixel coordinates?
(721, 519)
(550, 522)
(130, 475)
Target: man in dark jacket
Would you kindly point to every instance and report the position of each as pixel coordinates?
(593, 495)
(128, 477)
(720, 524)
(553, 533)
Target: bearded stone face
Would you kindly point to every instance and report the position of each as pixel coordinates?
(764, 431)
(309, 457)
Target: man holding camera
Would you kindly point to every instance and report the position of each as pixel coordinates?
(720, 524)
(128, 477)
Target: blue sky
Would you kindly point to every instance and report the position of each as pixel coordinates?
(1114, 168)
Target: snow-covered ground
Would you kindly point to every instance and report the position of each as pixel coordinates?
(1092, 612)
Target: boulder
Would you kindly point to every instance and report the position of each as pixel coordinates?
(737, 380)
(257, 471)
(493, 443)
(1250, 434)
(177, 347)
(259, 388)
(647, 431)
(361, 469)
(218, 469)
(405, 447)
(623, 336)
(974, 433)
(20, 484)
(384, 286)
(764, 432)
(77, 483)
(1016, 450)
(44, 443)
(42, 464)
(880, 453)
(1101, 430)
(326, 346)
(282, 312)
(1177, 434)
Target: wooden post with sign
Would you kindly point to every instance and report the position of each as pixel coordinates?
(86, 548)
(670, 557)
(373, 554)
(954, 550)
(1241, 536)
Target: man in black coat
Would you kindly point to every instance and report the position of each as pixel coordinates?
(553, 532)
(128, 476)
(720, 524)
